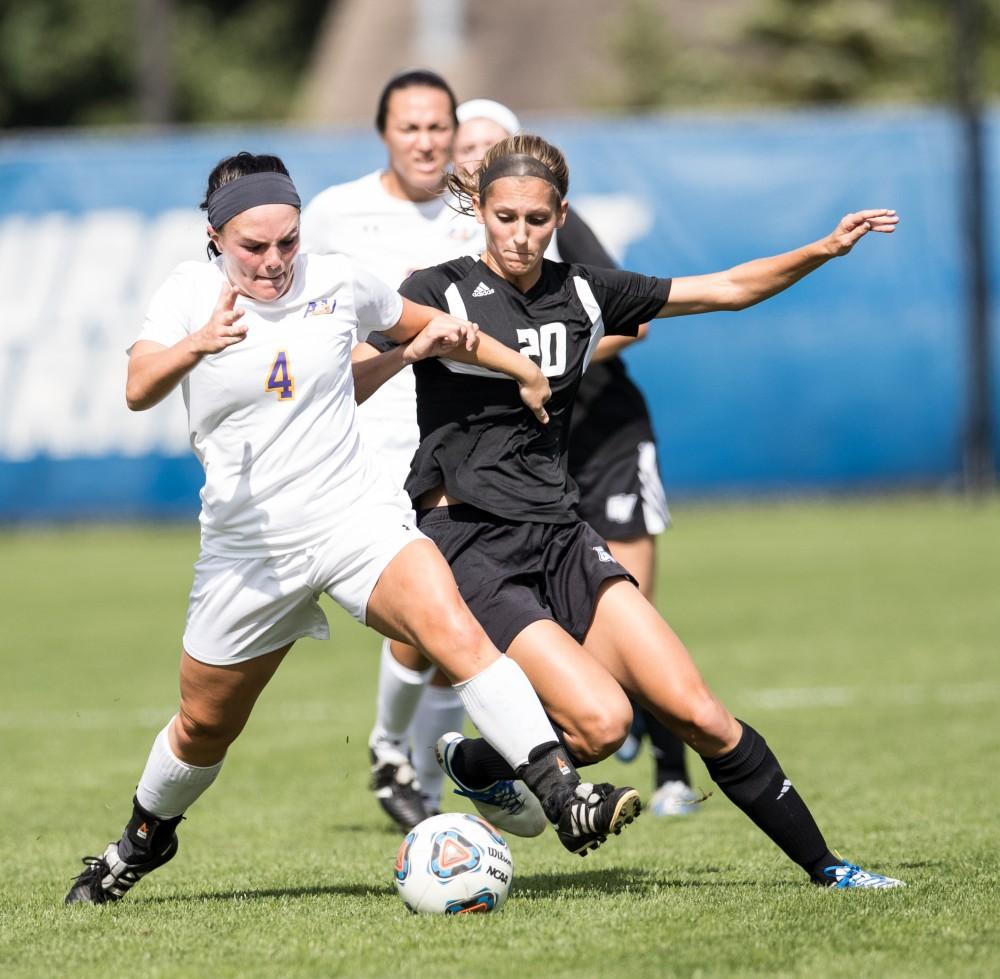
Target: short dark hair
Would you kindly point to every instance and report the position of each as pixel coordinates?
(240, 165)
(412, 78)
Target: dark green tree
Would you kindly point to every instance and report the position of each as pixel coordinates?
(801, 52)
(75, 62)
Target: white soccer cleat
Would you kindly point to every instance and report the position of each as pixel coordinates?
(674, 798)
(842, 876)
(508, 803)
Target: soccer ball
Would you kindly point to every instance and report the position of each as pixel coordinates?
(454, 863)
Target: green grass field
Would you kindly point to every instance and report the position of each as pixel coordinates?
(861, 637)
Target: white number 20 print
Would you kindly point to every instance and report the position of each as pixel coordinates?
(547, 344)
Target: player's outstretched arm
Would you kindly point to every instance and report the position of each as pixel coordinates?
(753, 282)
(155, 370)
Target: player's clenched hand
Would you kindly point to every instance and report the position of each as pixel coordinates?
(442, 334)
(853, 227)
(535, 392)
(223, 328)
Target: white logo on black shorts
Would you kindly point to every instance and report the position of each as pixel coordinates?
(619, 507)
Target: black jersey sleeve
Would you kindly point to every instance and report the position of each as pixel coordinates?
(578, 243)
(380, 342)
(626, 299)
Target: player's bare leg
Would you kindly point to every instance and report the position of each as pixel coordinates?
(633, 642)
(417, 601)
(186, 757)
(583, 700)
(672, 795)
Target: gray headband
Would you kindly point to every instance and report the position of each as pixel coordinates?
(517, 165)
(251, 190)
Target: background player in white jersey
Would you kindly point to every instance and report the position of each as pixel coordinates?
(294, 504)
(390, 222)
(492, 490)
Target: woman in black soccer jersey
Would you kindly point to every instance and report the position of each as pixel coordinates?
(491, 484)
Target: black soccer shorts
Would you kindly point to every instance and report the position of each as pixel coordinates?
(512, 574)
(621, 495)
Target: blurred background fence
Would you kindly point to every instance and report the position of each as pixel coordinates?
(699, 135)
(855, 379)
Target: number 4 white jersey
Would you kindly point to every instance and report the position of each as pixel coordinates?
(272, 418)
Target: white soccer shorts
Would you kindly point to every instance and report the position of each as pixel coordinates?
(241, 608)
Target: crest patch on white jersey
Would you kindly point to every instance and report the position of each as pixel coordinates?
(320, 307)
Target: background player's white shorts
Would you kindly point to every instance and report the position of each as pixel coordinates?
(241, 608)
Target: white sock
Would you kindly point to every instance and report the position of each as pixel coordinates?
(440, 710)
(399, 690)
(168, 785)
(503, 705)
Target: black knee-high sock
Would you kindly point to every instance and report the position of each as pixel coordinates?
(752, 779)
(668, 752)
(477, 764)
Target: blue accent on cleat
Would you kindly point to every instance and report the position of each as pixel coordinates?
(507, 803)
(844, 875)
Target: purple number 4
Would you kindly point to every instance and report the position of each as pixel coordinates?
(280, 379)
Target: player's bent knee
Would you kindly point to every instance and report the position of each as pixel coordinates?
(192, 729)
(450, 630)
(599, 735)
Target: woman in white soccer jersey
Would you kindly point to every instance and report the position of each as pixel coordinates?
(491, 487)
(260, 339)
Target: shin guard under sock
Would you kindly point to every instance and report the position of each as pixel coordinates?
(569, 755)
(145, 835)
(551, 776)
(752, 779)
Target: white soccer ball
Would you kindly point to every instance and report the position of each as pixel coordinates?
(454, 863)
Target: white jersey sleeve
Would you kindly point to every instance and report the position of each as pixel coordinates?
(377, 306)
(168, 318)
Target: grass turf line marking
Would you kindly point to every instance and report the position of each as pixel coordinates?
(322, 712)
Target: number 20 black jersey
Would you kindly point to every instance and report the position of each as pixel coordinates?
(477, 438)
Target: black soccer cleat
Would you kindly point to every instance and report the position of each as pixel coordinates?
(109, 878)
(398, 792)
(593, 812)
